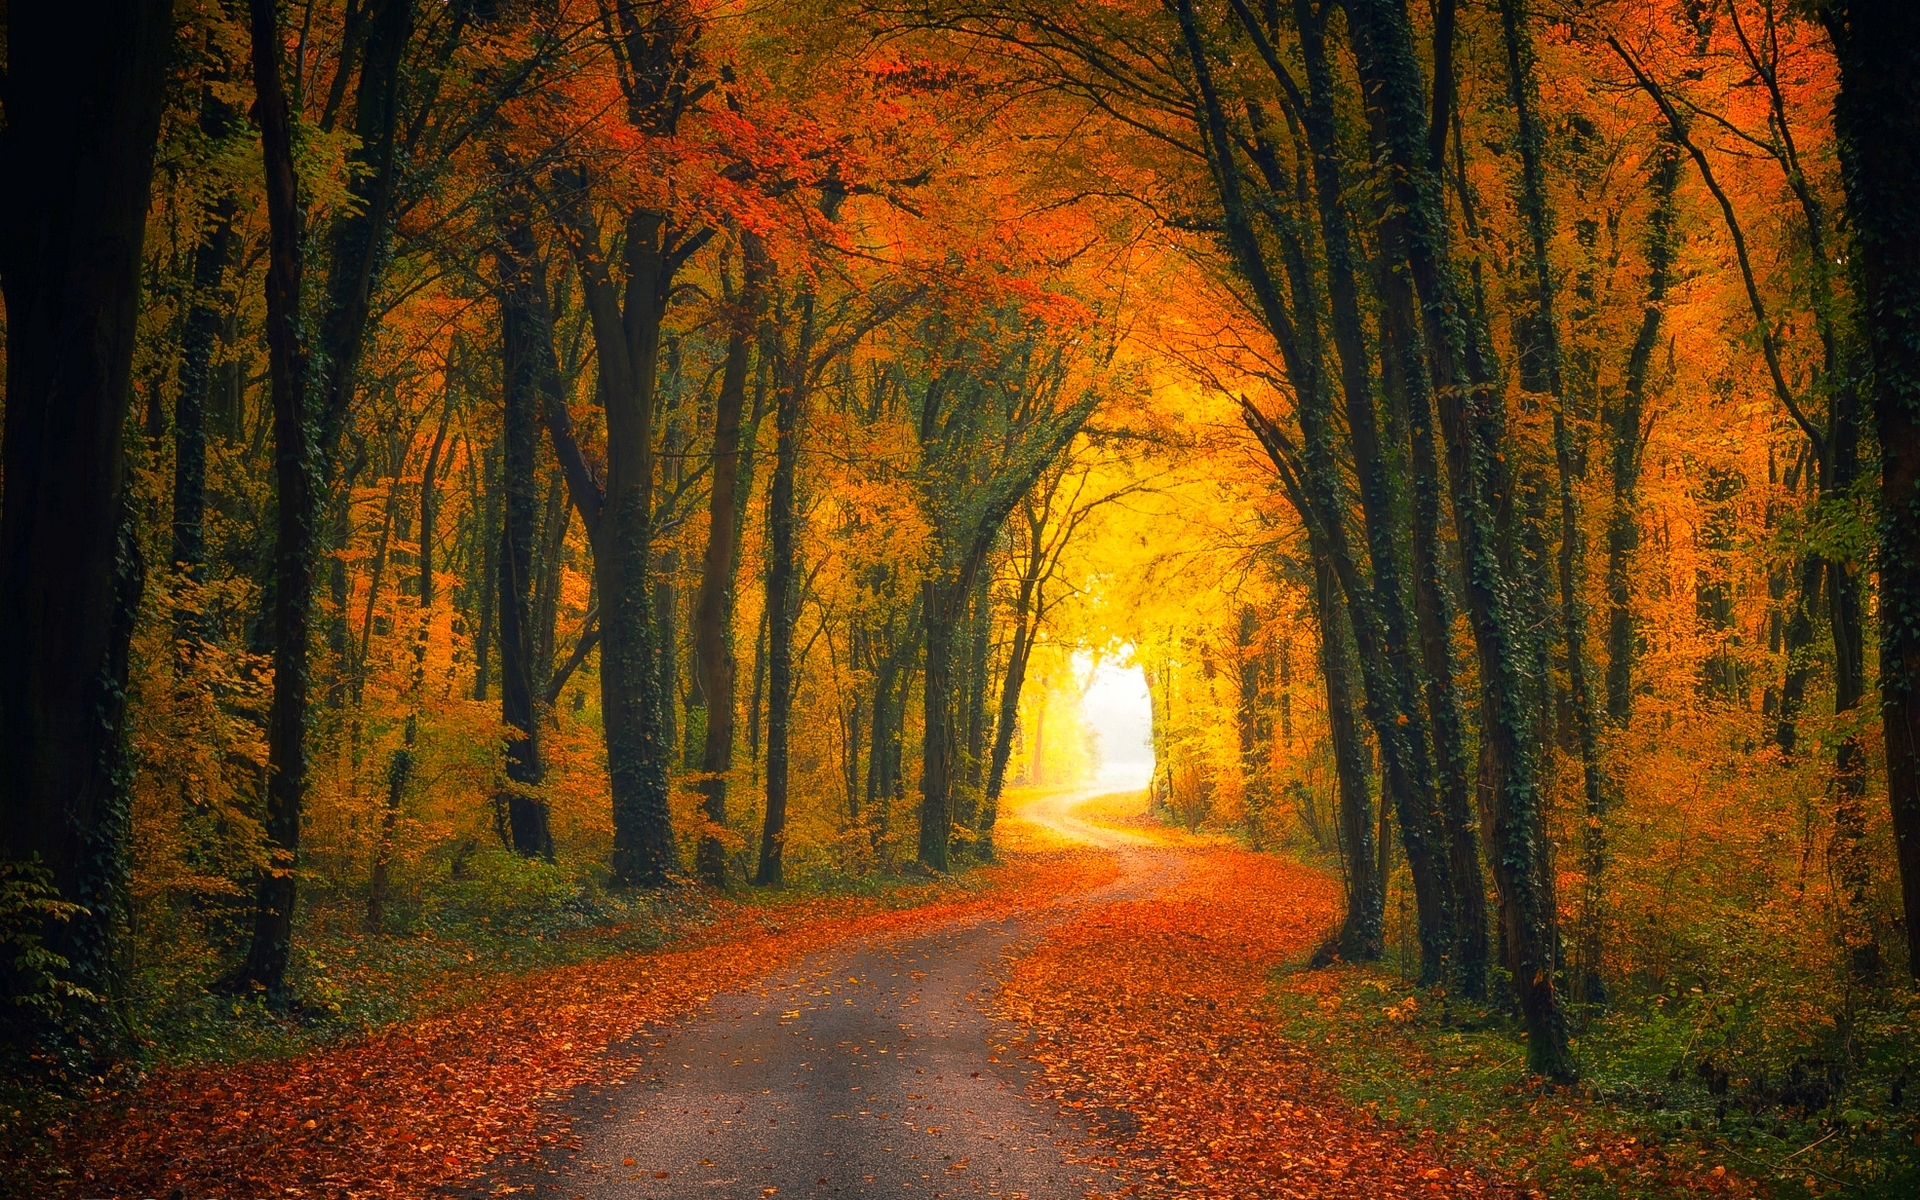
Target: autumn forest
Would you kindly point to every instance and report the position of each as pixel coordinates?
(566, 569)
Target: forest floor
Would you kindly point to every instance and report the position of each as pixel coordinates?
(1098, 1019)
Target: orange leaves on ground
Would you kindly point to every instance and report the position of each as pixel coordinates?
(432, 1101)
(1150, 1018)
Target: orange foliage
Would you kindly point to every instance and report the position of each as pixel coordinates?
(436, 1099)
(1149, 1017)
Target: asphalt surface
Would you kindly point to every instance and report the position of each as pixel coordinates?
(867, 1070)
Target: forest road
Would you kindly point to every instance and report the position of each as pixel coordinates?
(865, 1070)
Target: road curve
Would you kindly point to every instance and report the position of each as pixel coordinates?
(872, 1069)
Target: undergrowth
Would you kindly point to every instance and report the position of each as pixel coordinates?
(1657, 1112)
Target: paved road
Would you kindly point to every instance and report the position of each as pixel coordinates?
(870, 1070)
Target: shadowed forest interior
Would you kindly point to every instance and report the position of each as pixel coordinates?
(493, 486)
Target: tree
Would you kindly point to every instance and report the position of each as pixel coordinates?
(1051, 514)
(652, 55)
(1472, 420)
(83, 102)
(991, 416)
(1878, 117)
(295, 486)
(715, 670)
(527, 356)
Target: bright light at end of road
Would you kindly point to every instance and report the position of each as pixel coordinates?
(1115, 705)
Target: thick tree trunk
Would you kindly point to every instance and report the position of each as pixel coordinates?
(84, 94)
(1523, 95)
(638, 751)
(357, 249)
(1452, 824)
(944, 602)
(1385, 668)
(1472, 418)
(1877, 116)
(1359, 937)
(715, 670)
(357, 253)
(1404, 377)
(522, 363)
(626, 335)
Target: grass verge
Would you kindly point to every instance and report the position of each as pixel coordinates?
(1652, 1117)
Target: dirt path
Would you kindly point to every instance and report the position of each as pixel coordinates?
(867, 1070)
(1094, 1019)
(1095, 1042)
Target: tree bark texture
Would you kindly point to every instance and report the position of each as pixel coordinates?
(1385, 667)
(1359, 936)
(522, 364)
(206, 314)
(1659, 245)
(84, 97)
(626, 329)
(783, 571)
(1523, 96)
(1877, 116)
(297, 488)
(714, 666)
(1472, 418)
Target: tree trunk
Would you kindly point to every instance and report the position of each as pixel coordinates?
(488, 515)
(1253, 748)
(1877, 116)
(1405, 373)
(973, 702)
(522, 363)
(714, 665)
(1472, 418)
(1024, 627)
(1382, 644)
(1523, 95)
(893, 679)
(626, 337)
(632, 706)
(1359, 937)
(783, 568)
(295, 544)
(944, 599)
(550, 553)
(357, 250)
(1623, 527)
(84, 96)
(430, 503)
